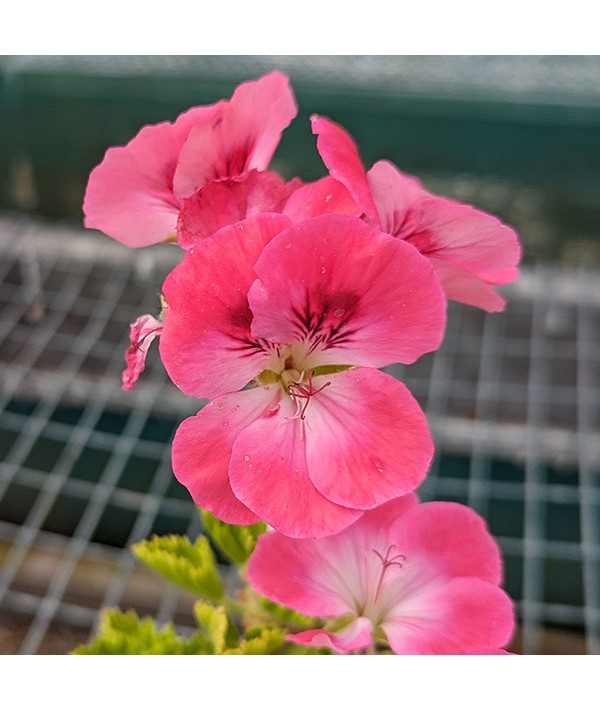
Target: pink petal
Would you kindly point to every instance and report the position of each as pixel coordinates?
(327, 576)
(244, 138)
(394, 194)
(324, 196)
(357, 635)
(353, 294)
(469, 238)
(367, 439)
(268, 473)
(341, 156)
(461, 616)
(206, 344)
(202, 449)
(469, 248)
(301, 574)
(467, 288)
(129, 194)
(141, 334)
(220, 203)
(448, 539)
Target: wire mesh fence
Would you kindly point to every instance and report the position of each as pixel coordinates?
(513, 401)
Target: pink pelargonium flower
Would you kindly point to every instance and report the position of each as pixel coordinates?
(470, 250)
(135, 194)
(419, 578)
(313, 443)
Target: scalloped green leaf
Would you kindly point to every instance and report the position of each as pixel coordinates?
(191, 566)
(125, 633)
(215, 622)
(260, 640)
(235, 542)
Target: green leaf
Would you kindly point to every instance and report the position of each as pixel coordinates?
(236, 542)
(191, 566)
(125, 633)
(260, 640)
(215, 622)
(285, 616)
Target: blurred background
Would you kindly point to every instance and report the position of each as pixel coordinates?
(512, 398)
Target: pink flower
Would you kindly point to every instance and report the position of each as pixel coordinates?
(141, 334)
(313, 442)
(470, 250)
(421, 578)
(135, 194)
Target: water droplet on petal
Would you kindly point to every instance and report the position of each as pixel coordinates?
(246, 458)
(214, 289)
(220, 405)
(323, 270)
(288, 245)
(339, 312)
(296, 470)
(225, 423)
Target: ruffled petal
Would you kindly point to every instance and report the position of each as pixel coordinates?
(367, 439)
(324, 196)
(460, 616)
(379, 304)
(202, 449)
(268, 473)
(357, 635)
(220, 203)
(141, 334)
(206, 344)
(342, 159)
(129, 195)
(243, 138)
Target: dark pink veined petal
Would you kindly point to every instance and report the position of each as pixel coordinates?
(460, 616)
(449, 539)
(442, 228)
(202, 449)
(342, 159)
(367, 439)
(268, 473)
(141, 334)
(129, 195)
(467, 288)
(244, 138)
(324, 196)
(357, 635)
(394, 194)
(355, 295)
(206, 345)
(328, 576)
(467, 237)
(220, 203)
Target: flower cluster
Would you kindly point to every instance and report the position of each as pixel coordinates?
(288, 300)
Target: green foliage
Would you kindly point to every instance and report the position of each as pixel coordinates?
(192, 566)
(236, 542)
(215, 623)
(126, 633)
(260, 640)
(294, 621)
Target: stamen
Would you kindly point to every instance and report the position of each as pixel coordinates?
(386, 562)
(304, 391)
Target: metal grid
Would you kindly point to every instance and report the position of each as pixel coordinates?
(512, 400)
